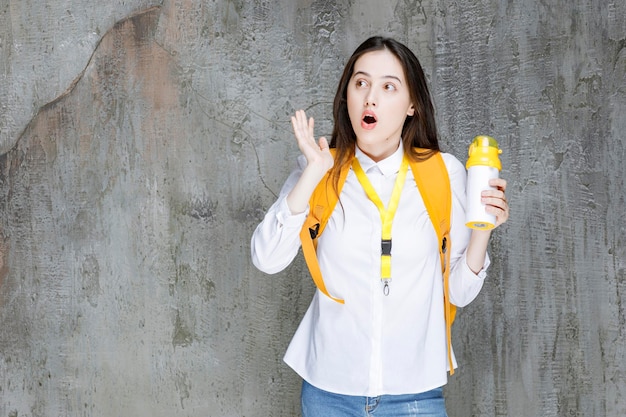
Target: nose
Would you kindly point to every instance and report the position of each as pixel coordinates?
(370, 99)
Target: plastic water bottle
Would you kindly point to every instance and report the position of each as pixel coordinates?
(483, 164)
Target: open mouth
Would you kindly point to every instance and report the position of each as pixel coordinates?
(369, 119)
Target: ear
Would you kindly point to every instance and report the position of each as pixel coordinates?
(410, 111)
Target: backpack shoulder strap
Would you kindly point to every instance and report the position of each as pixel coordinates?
(321, 205)
(433, 182)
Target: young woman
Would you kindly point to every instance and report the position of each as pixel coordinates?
(384, 351)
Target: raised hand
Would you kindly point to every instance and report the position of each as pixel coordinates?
(319, 161)
(317, 154)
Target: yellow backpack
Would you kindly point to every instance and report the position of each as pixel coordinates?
(433, 182)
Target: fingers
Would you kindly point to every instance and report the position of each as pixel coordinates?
(302, 127)
(495, 200)
(323, 144)
(316, 153)
(498, 183)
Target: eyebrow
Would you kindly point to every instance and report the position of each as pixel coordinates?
(384, 76)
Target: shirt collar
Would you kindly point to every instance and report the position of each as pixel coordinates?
(388, 166)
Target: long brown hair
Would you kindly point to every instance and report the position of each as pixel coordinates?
(419, 130)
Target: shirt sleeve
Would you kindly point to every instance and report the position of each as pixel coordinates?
(464, 283)
(276, 240)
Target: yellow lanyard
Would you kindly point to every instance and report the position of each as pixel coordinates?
(386, 215)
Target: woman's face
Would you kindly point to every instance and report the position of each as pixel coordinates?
(378, 103)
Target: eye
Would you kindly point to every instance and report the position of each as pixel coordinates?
(361, 83)
(389, 87)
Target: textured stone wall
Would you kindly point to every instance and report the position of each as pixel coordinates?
(143, 141)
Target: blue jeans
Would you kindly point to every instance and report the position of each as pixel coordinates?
(320, 403)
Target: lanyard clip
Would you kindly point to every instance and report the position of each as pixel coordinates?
(386, 288)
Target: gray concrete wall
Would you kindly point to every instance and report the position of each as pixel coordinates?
(143, 141)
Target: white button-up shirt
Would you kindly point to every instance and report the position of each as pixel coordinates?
(374, 344)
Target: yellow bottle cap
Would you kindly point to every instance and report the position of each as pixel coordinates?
(484, 151)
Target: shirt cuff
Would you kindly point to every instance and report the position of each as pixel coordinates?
(482, 274)
(288, 220)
